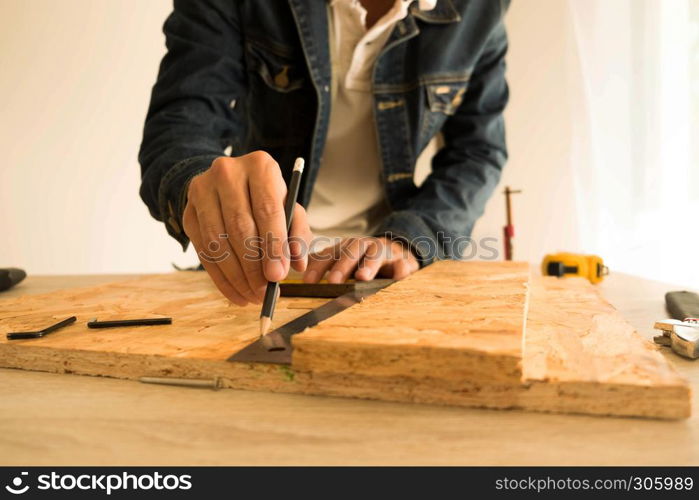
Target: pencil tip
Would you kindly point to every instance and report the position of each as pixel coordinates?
(265, 325)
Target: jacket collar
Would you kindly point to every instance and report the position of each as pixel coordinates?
(313, 29)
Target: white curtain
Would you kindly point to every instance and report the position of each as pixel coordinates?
(635, 140)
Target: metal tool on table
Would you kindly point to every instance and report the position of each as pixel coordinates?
(41, 333)
(509, 229)
(324, 289)
(93, 323)
(344, 295)
(681, 336)
(681, 333)
(204, 383)
(9, 277)
(278, 348)
(296, 287)
(565, 264)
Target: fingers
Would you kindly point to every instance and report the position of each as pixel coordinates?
(242, 234)
(300, 238)
(401, 269)
(216, 249)
(409, 263)
(208, 228)
(267, 192)
(351, 253)
(191, 228)
(364, 257)
(319, 263)
(387, 258)
(374, 258)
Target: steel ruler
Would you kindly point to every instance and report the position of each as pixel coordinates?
(258, 352)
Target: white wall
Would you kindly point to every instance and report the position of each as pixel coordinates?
(539, 130)
(75, 79)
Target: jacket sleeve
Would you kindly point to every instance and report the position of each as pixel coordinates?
(465, 170)
(192, 116)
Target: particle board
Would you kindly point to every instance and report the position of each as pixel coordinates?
(454, 321)
(582, 356)
(204, 325)
(579, 355)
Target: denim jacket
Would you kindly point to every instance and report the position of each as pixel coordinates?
(255, 75)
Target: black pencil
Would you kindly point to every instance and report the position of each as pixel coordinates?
(273, 287)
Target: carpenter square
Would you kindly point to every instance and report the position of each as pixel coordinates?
(280, 354)
(297, 288)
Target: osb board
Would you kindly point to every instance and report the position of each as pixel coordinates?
(559, 384)
(453, 321)
(204, 325)
(581, 355)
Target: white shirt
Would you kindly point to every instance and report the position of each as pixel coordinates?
(348, 197)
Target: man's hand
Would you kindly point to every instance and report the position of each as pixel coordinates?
(235, 220)
(365, 258)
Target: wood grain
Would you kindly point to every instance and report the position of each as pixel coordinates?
(582, 356)
(579, 354)
(204, 325)
(460, 321)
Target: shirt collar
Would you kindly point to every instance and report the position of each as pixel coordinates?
(425, 4)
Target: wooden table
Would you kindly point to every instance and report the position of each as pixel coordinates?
(50, 419)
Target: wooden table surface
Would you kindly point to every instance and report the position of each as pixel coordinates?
(50, 419)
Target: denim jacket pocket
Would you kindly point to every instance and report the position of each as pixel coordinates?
(442, 100)
(280, 72)
(445, 97)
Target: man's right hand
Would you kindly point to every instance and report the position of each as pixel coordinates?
(236, 222)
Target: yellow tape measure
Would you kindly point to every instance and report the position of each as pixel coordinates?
(564, 264)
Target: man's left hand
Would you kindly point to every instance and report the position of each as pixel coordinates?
(364, 258)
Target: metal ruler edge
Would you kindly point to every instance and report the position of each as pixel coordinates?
(257, 352)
